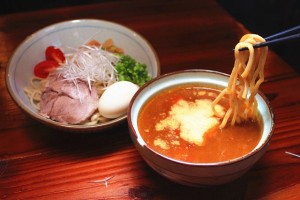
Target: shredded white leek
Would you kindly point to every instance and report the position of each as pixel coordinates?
(90, 64)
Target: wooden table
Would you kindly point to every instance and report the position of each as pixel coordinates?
(37, 162)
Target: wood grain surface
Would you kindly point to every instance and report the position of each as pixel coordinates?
(37, 162)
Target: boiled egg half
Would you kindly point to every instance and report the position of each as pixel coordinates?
(115, 99)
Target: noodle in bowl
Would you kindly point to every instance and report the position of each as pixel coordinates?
(72, 34)
(191, 173)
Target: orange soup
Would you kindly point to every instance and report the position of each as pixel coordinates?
(179, 123)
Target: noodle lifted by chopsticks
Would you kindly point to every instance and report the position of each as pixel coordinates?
(244, 81)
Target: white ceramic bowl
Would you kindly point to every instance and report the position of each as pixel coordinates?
(72, 34)
(196, 174)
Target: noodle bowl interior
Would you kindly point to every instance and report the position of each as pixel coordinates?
(179, 122)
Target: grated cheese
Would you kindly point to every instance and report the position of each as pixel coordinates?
(193, 119)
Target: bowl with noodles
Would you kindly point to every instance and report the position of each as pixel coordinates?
(74, 75)
(181, 138)
(201, 127)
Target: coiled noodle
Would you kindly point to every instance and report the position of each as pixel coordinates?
(244, 82)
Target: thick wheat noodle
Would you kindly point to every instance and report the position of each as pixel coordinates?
(245, 79)
(34, 91)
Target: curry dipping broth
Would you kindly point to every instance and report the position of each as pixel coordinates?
(178, 122)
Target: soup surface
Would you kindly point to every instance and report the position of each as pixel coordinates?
(179, 123)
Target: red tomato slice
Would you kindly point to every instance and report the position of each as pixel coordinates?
(43, 68)
(53, 53)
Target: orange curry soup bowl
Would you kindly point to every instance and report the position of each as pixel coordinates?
(187, 172)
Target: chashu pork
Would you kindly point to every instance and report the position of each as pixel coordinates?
(64, 101)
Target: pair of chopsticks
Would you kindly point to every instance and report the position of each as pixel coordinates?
(277, 38)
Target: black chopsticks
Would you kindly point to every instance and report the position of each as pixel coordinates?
(277, 38)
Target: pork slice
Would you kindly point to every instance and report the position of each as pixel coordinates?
(67, 102)
(72, 111)
(60, 85)
(47, 100)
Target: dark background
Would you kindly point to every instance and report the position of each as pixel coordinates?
(264, 17)
(12, 6)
